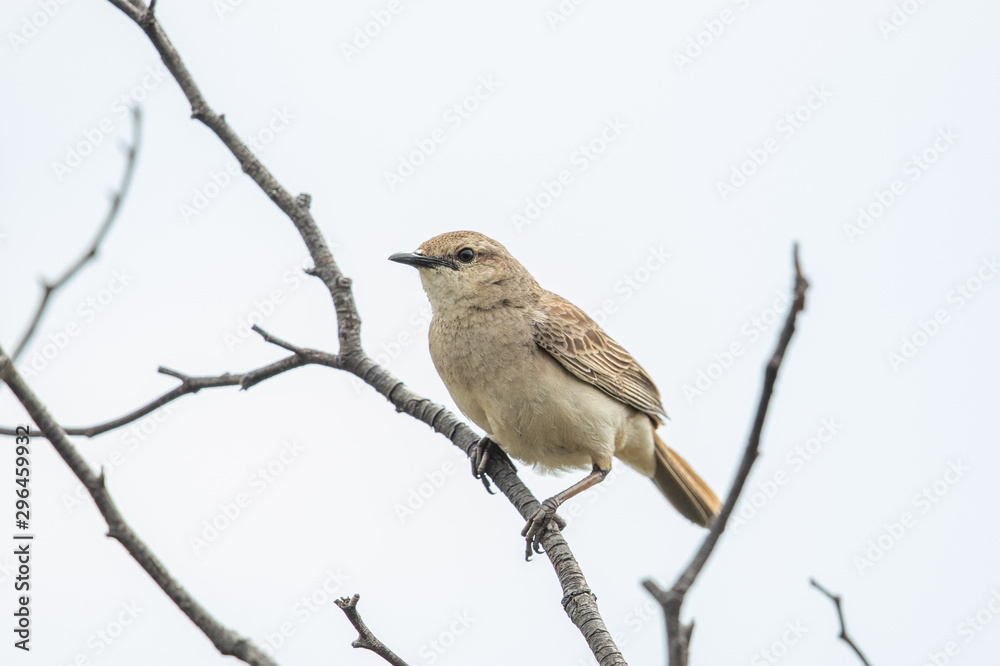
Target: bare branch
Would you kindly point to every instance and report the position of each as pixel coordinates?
(194, 384)
(296, 208)
(366, 639)
(276, 341)
(49, 288)
(679, 634)
(227, 641)
(835, 598)
(578, 601)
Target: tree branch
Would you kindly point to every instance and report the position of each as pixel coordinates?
(366, 639)
(296, 208)
(578, 600)
(49, 288)
(679, 634)
(227, 641)
(835, 598)
(190, 385)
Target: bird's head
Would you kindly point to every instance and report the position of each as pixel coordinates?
(468, 269)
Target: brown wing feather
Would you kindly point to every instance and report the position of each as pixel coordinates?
(578, 343)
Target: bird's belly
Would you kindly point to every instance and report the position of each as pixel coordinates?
(554, 421)
(524, 399)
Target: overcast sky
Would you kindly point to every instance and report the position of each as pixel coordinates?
(651, 162)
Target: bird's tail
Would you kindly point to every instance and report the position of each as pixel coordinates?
(685, 489)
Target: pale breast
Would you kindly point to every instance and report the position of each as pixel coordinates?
(523, 398)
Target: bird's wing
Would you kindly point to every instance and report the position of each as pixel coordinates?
(578, 343)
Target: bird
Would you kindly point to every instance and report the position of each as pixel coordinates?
(541, 378)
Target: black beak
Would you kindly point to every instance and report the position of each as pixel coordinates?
(422, 261)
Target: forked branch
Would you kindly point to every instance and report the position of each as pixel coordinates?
(679, 633)
(844, 636)
(366, 639)
(227, 641)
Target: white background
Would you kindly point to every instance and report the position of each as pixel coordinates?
(333, 512)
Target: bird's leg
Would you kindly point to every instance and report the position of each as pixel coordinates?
(479, 456)
(539, 520)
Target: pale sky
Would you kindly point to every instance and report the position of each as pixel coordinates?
(651, 162)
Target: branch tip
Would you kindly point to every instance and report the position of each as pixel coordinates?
(277, 341)
(366, 639)
(678, 634)
(844, 636)
(173, 373)
(48, 288)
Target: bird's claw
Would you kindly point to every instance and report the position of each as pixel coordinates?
(535, 528)
(479, 456)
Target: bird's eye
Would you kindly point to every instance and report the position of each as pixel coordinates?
(466, 254)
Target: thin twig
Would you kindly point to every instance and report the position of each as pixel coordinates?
(190, 384)
(49, 288)
(227, 641)
(366, 639)
(835, 598)
(679, 634)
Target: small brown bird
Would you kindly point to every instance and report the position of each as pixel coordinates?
(542, 379)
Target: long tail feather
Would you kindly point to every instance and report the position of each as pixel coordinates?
(682, 487)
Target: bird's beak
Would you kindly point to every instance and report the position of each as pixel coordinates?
(422, 261)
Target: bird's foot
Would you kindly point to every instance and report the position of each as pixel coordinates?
(479, 456)
(535, 528)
